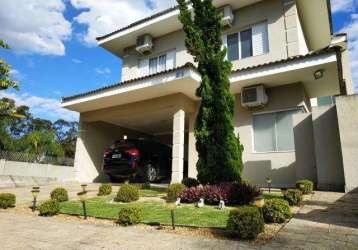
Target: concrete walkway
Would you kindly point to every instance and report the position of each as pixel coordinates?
(327, 221)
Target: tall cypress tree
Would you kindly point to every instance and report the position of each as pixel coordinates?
(219, 150)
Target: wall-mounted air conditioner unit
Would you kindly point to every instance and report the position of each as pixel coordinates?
(144, 44)
(253, 96)
(228, 16)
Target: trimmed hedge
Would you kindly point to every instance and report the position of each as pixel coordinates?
(49, 208)
(245, 222)
(174, 190)
(190, 182)
(7, 200)
(127, 193)
(105, 189)
(59, 194)
(232, 193)
(307, 186)
(293, 196)
(276, 211)
(129, 216)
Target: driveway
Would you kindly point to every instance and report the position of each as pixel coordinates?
(328, 221)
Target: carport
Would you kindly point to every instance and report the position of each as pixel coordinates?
(165, 114)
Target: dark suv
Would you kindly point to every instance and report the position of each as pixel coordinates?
(148, 160)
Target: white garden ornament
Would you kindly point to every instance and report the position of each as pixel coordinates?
(177, 203)
(200, 203)
(221, 205)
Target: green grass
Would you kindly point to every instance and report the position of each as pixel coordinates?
(150, 193)
(272, 195)
(153, 212)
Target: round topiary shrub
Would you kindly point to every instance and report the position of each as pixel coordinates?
(59, 194)
(105, 189)
(49, 208)
(245, 222)
(127, 193)
(307, 186)
(129, 216)
(174, 190)
(293, 196)
(190, 182)
(7, 200)
(276, 211)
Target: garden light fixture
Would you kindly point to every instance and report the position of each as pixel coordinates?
(83, 196)
(269, 181)
(35, 191)
(84, 186)
(172, 207)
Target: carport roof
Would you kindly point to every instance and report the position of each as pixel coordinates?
(329, 49)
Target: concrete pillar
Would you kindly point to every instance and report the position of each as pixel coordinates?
(178, 146)
(192, 154)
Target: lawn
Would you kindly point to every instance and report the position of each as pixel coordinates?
(153, 212)
(151, 193)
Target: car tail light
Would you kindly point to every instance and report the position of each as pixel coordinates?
(133, 152)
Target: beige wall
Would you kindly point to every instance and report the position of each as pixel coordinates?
(347, 111)
(327, 148)
(285, 37)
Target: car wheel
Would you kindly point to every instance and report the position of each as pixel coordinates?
(151, 173)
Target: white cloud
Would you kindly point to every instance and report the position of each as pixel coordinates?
(104, 71)
(16, 75)
(352, 30)
(34, 26)
(343, 5)
(102, 17)
(47, 108)
(56, 92)
(76, 61)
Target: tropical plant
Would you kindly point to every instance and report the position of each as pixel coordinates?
(219, 150)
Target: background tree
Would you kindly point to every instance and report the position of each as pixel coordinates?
(219, 150)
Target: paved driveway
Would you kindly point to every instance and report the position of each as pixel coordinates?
(327, 221)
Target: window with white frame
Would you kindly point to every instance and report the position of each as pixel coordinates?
(152, 65)
(273, 132)
(246, 43)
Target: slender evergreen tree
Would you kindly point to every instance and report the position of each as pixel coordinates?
(220, 151)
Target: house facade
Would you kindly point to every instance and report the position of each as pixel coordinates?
(283, 53)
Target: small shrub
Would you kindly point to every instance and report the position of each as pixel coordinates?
(243, 193)
(190, 182)
(276, 211)
(307, 186)
(146, 185)
(105, 189)
(59, 194)
(293, 196)
(245, 222)
(127, 193)
(174, 190)
(129, 216)
(7, 200)
(49, 208)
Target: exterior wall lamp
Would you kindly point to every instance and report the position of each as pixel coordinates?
(318, 74)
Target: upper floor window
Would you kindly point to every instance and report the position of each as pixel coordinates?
(152, 65)
(247, 43)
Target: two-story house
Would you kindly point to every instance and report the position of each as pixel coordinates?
(283, 53)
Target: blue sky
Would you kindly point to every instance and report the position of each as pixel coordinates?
(54, 52)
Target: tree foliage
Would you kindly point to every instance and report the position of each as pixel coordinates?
(219, 150)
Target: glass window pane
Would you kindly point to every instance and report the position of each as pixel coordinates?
(233, 47)
(264, 132)
(153, 65)
(246, 43)
(161, 63)
(284, 130)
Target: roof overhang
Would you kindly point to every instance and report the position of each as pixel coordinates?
(316, 20)
(186, 79)
(158, 25)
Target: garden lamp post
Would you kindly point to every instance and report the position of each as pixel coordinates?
(172, 207)
(82, 196)
(84, 186)
(259, 203)
(35, 191)
(269, 181)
